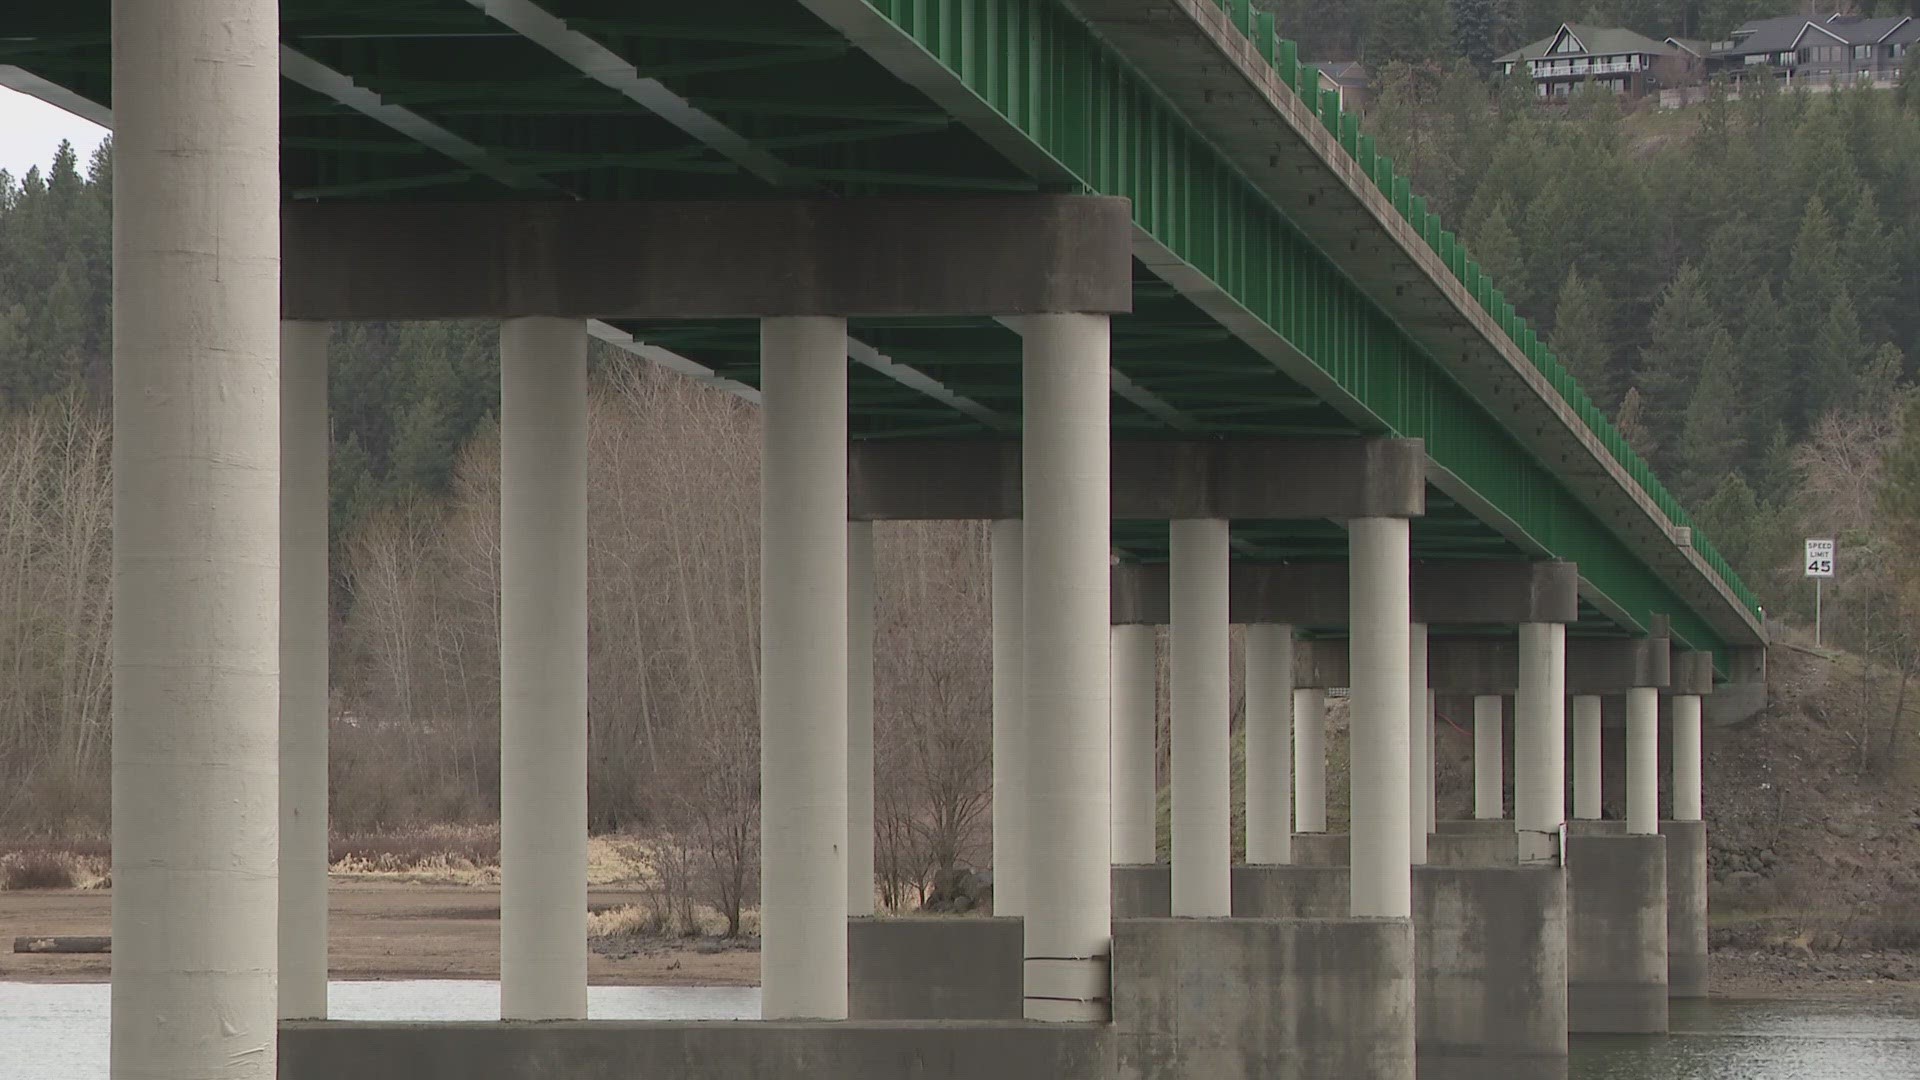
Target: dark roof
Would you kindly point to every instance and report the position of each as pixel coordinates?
(1781, 34)
(1344, 72)
(1598, 40)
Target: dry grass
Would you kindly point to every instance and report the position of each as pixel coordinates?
(653, 921)
(82, 864)
(470, 855)
(432, 854)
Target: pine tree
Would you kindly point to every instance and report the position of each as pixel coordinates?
(1816, 279)
(1583, 336)
(1682, 334)
(1731, 518)
(1766, 357)
(1483, 29)
(1715, 437)
(1872, 271)
(1840, 356)
(1630, 422)
(1497, 248)
(1405, 30)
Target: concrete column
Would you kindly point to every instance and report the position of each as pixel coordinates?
(1269, 751)
(860, 601)
(1202, 851)
(1643, 760)
(543, 669)
(303, 670)
(1010, 793)
(1586, 757)
(1489, 748)
(1135, 795)
(196, 538)
(1310, 760)
(1067, 510)
(1433, 765)
(1539, 739)
(1419, 743)
(1382, 882)
(803, 668)
(1686, 757)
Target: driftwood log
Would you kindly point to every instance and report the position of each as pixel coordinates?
(48, 944)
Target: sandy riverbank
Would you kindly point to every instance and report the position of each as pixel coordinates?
(382, 930)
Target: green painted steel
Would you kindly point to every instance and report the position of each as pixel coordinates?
(1069, 94)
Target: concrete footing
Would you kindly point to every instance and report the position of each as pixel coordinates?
(1617, 933)
(1283, 999)
(934, 968)
(1322, 849)
(1686, 908)
(697, 1050)
(1490, 944)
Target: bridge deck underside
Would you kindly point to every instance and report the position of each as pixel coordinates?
(399, 100)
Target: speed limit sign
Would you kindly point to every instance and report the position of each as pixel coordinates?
(1819, 558)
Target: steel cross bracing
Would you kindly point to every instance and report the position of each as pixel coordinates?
(1242, 323)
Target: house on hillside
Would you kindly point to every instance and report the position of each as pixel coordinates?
(1818, 50)
(1348, 78)
(1617, 59)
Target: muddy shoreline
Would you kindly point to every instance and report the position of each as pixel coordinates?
(387, 930)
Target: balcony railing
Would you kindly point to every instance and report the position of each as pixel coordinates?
(1617, 67)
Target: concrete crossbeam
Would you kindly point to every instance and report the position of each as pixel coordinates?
(1690, 672)
(1265, 479)
(1489, 665)
(963, 255)
(1315, 593)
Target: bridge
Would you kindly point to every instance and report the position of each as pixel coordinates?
(1113, 274)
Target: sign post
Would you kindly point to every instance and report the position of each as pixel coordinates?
(1819, 567)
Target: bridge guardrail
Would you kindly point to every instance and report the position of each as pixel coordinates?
(1303, 79)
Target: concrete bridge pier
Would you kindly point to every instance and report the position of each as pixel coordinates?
(1009, 719)
(304, 588)
(543, 669)
(1202, 819)
(1617, 944)
(1489, 747)
(1586, 757)
(1420, 745)
(1687, 833)
(1136, 795)
(1309, 759)
(197, 538)
(1270, 743)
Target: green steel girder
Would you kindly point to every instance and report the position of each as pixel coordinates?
(1062, 112)
(1105, 129)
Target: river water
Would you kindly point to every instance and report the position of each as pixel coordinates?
(59, 1032)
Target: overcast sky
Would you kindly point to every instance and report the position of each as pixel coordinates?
(30, 129)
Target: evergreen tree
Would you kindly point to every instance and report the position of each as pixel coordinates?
(1583, 336)
(1715, 437)
(1763, 347)
(1816, 279)
(1684, 331)
(1497, 249)
(1840, 356)
(1872, 271)
(1405, 30)
(1484, 29)
(1630, 421)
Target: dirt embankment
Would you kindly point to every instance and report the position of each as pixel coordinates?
(1813, 822)
(389, 930)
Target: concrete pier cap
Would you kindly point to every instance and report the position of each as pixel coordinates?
(1244, 479)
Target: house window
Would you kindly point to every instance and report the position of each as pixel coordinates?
(1897, 49)
(1785, 59)
(1756, 59)
(1863, 52)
